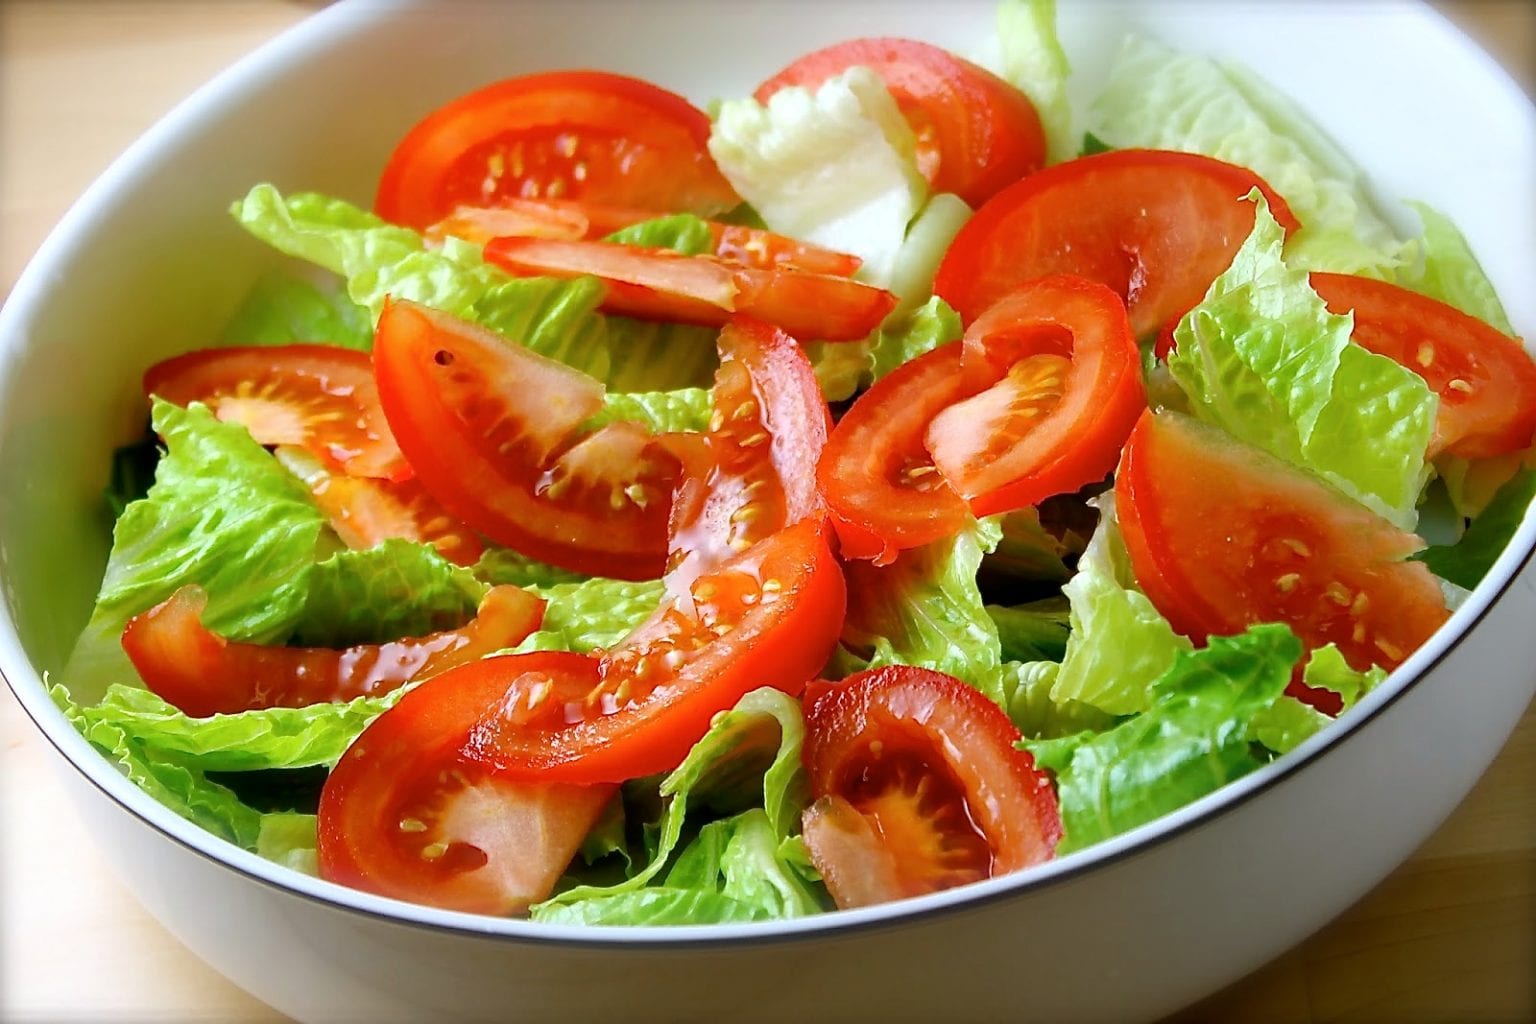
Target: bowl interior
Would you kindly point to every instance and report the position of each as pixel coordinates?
(149, 263)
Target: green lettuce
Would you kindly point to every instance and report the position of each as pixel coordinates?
(1467, 561)
(1192, 739)
(1027, 690)
(914, 334)
(223, 514)
(1449, 272)
(925, 609)
(504, 565)
(289, 839)
(743, 864)
(593, 613)
(282, 309)
(1033, 60)
(1157, 98)
(680, 232)
(395, 589)
(1286, 723)
(1032, 632)
(682, 409)
(1263, 358)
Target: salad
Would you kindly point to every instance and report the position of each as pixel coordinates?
(876, 484)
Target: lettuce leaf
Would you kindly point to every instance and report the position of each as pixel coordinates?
(660, 411)
(1467, 561)
(836, 167)
(1450, 273)
(1032, 632)
(680, 232)
(1027, 689)
(504, 565)
(1033, 60)
(741, 866)
(1157, 98)
(283, 309)
(398, 588)
(1263, 358)
(592, 613)
(222, 513)
(925, 609)
(1191, 740)
(916, 333)
(1285, 724)
(289, 839)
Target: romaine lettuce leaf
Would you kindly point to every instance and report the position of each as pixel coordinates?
(904, 338)
(1033, 60)
(284, 309)
(396, 589)
(660, 411)
(1467, 561)
(1192, 739)
(1286, 723)
(925, 609)
(1027, 688)
(835, 167)
(740, 867)
(592, 613)
(1157, 98)
(289, 839)
(680, 232)
(1263, 358)
(1449, 272)
(222, 513)
(504, 565)
(1033, 632)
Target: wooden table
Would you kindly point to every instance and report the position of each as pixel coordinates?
(1449, 936)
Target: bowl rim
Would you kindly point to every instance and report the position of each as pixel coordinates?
(321, 30)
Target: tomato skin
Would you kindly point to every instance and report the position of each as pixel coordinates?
(204, 674)
(930, 765)
(975, 132)
(491, 429)
(1271, 544)
(1486, 381)
(635, 144)
(320, 396)
(1001, 449)
(406, 814)
(767, 433)
(570, 221)
(880, 484)
(1155, 226)
(768, 617)
(664, 285)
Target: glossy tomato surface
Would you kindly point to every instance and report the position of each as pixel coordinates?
(1155, 226)
(564, 134)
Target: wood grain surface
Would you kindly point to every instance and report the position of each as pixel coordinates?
(1450, 936)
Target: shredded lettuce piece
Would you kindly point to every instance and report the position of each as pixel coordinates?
(1032, 632)
(1120, 644)
(222, 513)
(1033, 60)
(1450, 273)
(1191, 740)
(504, 565)
(660, 411)
(289, 838)
(1467, 561)
(1157, 98)
(1027, 687)
(593, 613)
(397, 588)
(283, 309)
(680, 232)
(1285, 724)
(835, 167)
(1263, 358)
(743, 866)
(925, 609)
(916, 333)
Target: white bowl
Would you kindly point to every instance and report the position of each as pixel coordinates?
(1132, 928)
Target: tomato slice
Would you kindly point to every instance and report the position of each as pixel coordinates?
(406, 814)
(322, 397)
(975, 132)
(880, 484)
(1486, 381)
(768, 430)
(365, 512)
(204, 674)
(1155, 226)
(493, 431)
(1069, 392)
(575, 134)
(570, 221)
(770, 616)
(1222, 536)
(919, 787)
(661, 284)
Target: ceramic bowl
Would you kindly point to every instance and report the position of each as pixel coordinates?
(147, 263)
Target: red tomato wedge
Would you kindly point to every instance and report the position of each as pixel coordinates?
(1486, 381)
(492, 430)
(766, 435)
(204, 674)
(770, 616)
(661, 284)
(406, 814)
(975, 132)
(1222, 536)
(321, 397)
(1155, 226)
(880, 484)
(365, 512)
(1064, 389)
(918, 787)
(575, 134)
(570, 221)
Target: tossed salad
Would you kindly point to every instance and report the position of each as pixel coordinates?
(878, 484)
